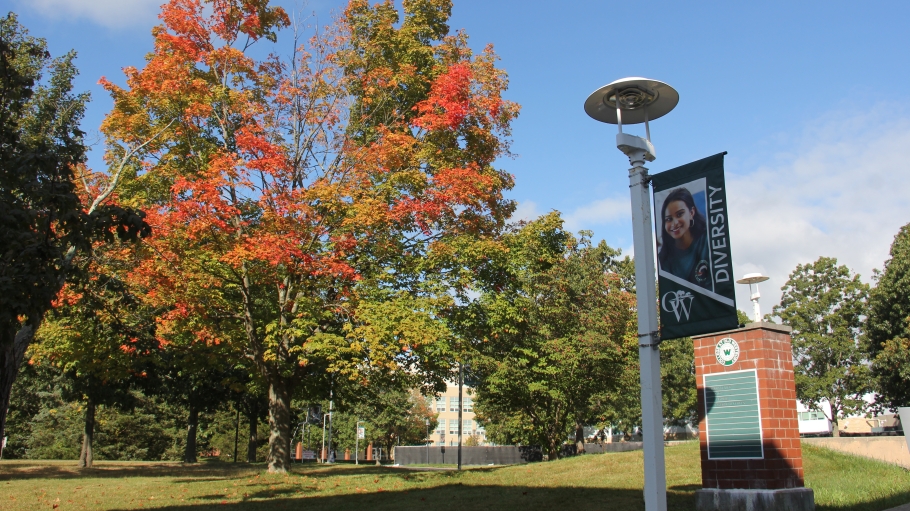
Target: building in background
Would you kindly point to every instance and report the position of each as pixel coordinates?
(446, 406)
(814, 422)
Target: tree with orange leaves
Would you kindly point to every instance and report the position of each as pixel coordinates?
(319, 212)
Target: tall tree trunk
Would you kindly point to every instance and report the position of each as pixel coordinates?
(553, 450)
(12, 351)
(252, 416)
(189, 455)
(835, 431)
(86, 458)
(236, 436)
(279, 426)
(579, 438)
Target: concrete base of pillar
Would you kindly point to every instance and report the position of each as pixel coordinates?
(790, 499)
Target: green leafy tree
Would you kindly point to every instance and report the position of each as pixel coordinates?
(888, 326)
(47, 421)
(390, 417)
(37, 388)
(44, 218)
(742, 317)
(677, 370)
(99, 336)
(559, 333)
(825, 304)
(196, 377)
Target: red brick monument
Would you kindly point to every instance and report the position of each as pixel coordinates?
(750, 449)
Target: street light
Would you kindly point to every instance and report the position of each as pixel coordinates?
(357, 443)
(634, 101)
(323, 455)
(754, 279)
(428, 440)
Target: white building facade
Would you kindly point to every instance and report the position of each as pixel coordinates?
(446, 406)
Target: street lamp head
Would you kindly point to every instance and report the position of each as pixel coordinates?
(640, 100)
(752, 278)
(632, 100)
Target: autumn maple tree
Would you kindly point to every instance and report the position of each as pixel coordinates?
(316, 212)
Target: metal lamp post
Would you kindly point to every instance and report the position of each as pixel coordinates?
(754, 279)
(428, 440)
(357, 443)
(635, 101)
(322, 454)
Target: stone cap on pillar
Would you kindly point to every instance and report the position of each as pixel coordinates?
(763, 325)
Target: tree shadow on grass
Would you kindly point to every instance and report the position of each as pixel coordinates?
(877, 504)
(195, 471)
(453, 496)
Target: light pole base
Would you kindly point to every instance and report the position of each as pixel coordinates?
(789, 499)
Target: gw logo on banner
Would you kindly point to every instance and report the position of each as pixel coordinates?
(680, 302)
(694, 270)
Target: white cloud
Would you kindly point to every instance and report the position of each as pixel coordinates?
(600, 212)
(108, 13)
(839, 191)
(526, 211)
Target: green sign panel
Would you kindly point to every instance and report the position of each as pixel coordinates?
(733, 417)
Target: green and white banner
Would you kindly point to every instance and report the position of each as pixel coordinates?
(694, 269)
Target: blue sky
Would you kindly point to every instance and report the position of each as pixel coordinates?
(810, 99)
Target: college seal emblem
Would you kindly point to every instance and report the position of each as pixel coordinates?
(702, 273)
(726, 351)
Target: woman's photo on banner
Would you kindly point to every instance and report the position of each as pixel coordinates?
(682, 240)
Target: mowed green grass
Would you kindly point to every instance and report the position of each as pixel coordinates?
(603, 481)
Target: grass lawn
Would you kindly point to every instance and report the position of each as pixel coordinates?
(601, 481)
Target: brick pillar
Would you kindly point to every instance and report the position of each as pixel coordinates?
(738, 457)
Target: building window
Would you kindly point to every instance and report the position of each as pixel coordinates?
(441, 427)
(468, 404)
(468, 426)
(441, 404)
(812, 416)
(453, 404)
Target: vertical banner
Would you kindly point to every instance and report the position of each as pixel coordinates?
(694, 270)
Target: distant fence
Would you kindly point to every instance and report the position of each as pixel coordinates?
(479, 455)
(495, 455)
